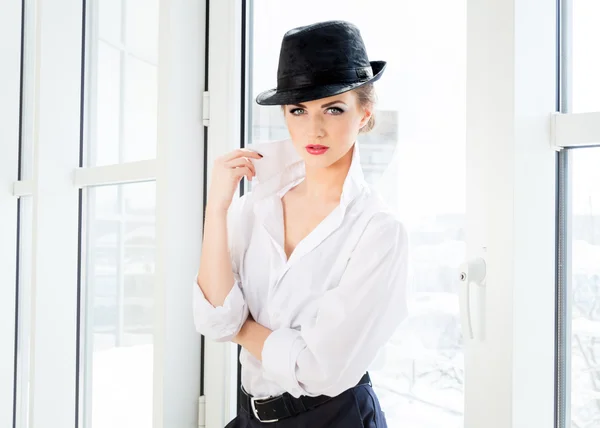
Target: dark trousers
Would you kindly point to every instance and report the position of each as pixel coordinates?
(357, 407)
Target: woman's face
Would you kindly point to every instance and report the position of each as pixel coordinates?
(324, 130)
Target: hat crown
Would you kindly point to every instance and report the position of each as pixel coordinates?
(320, 48)
(321, 60)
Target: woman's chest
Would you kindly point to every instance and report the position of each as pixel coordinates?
(282, 292)
(300, 219)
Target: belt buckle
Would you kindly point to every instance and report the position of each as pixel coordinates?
(252, 404)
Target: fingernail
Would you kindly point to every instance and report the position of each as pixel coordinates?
(260, 155)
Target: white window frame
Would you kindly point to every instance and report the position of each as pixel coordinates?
(55, 213)
(572, 130)
(511, 81)
(10, 80)
(57, 184)
(179, 211)
(224, 86)
(569, 131)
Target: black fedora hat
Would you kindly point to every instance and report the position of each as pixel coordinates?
(321, 60)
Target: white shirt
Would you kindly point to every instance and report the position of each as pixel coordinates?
(332, 305)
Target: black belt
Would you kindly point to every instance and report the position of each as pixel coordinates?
(283, 406)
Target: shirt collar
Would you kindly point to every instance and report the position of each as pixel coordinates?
(282, 166)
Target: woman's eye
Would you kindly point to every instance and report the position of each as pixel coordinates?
(332, 110)
(335, 110)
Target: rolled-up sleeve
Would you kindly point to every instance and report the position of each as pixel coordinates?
(354, 320)
(223, 323)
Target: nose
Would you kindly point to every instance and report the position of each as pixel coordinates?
(315, 127)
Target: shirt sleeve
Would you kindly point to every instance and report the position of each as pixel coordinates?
(354, 320)
(223, 323)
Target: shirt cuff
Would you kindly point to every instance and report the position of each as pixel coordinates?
(279, 355)
(221, 323)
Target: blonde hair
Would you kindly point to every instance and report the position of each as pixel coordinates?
(367, 99)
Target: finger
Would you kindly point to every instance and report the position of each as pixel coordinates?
(248, 166)
(239, 162)
(252, 168)
(252, 154)
(243, 171)
(240, 153)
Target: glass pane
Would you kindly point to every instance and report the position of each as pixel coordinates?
(140, 111)
(585, 298)
(142, 28)
(108, 106)
(415, 156)
(586, 56)
(109, 20)
(122, 93)
(119, 306)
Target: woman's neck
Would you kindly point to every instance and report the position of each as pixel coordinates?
(325, 184)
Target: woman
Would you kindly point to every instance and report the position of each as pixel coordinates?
(307, 272)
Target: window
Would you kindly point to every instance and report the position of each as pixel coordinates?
(16, 156)
(585, 288)
(93, 322)
(120, 305)
(585, 55)
(118, 297)
(578, 320)
(123, 74)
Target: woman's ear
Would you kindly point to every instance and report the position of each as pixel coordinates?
(367, 113)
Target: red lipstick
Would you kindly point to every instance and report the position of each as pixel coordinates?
(316, 149)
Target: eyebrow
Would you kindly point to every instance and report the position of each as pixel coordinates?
(323, 106)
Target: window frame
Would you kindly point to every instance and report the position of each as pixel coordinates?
(58, 191)
(510, 104)
(223, 136)
(569, 131)
(10, 171)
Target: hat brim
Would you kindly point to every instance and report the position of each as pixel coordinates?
(272, 97)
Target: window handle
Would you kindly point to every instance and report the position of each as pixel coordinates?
(472, 298)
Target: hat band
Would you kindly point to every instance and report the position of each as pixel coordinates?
(328, 77)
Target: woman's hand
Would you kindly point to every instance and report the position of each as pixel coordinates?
(227, 172)
(252, 337)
